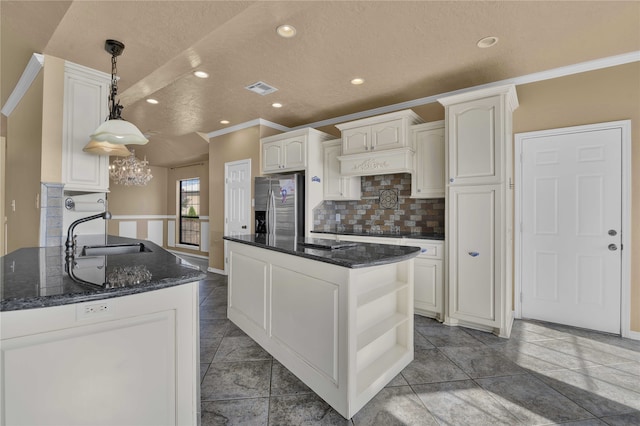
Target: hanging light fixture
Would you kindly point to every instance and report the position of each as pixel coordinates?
(130, 171)
(115, 130)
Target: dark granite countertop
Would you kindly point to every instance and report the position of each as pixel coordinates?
(37, 277)
(348, 231)
(354, 255)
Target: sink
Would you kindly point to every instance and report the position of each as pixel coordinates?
(114, 249)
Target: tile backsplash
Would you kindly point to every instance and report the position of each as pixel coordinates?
(370, 213)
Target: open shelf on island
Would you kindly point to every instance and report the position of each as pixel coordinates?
(380, 292)
(372, 333)
(379, 367)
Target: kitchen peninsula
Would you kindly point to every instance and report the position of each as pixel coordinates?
(339, 315)
(73, 352)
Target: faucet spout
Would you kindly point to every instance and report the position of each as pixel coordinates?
(70, 244)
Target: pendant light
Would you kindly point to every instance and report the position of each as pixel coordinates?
(114, 131)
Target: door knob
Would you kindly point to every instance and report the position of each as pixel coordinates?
(244, 226)
(613, 247)
(612, 232)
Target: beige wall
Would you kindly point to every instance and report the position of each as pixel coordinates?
(52, 119)
(140, 200)
(609, 94)
(235, 146)
(24, 136)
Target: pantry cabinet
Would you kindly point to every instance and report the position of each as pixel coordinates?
(85, 108)
(336, 186)
(428, 178)
(479, 209)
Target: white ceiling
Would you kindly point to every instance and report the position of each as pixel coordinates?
(404, 51)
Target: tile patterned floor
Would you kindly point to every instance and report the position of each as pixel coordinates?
(544, 374)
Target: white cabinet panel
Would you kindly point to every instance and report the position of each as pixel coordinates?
(356, 141)
(85, 108)
(428, 180)
(136, 362)
(284, 155)
(475, 145)
(389, 135)
(475, 254)
(248, 297)
(337, 187)
(427, 293)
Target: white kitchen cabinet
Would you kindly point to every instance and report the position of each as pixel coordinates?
(85, 108)
(428, 179)
(478, 130)
(125, 360)
(476, 268)
(377, 145)
(479, 209)
(336, 186)
(428, 293)
(289, 154)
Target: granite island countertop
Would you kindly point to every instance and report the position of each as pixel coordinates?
(348, 255)
(36, 277)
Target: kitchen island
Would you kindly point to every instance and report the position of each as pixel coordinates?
(337, 315)
(76, 351)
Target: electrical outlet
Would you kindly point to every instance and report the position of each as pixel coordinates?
(93, 310)
(337, 217)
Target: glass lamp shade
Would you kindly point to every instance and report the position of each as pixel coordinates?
(106, 148)
(119, 132)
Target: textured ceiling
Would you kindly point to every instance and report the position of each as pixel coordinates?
(404, 51)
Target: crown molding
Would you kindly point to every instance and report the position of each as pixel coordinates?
(246, 125)
(28, 75)
(581, 67)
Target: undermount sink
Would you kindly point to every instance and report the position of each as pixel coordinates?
(114, 249)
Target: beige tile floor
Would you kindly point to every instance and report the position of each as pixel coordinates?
(544, 374)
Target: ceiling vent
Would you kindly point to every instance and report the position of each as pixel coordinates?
(261, 88)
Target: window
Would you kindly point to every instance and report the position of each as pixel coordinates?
(190, 212)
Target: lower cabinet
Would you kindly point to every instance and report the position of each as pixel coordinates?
(125, 360)
(478, 293)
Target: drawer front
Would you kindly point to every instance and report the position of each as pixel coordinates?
(428, 249)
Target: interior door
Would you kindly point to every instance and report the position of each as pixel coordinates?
(237, 199)
(571, 228)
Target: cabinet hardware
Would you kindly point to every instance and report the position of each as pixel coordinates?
(612, 232)
(474, 253)
(612, 247)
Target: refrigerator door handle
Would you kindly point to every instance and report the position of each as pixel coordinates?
(272, 212)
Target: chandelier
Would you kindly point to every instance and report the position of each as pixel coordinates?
(111, 136)
(129, 171)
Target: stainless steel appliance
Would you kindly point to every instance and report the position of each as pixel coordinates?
(279, 205)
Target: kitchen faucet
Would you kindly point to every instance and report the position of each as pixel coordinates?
(71, 242)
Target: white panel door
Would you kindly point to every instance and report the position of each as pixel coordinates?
(238, 197)
(571, 229)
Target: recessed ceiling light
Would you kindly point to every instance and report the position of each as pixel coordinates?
(224, 121)
(286, 31)
(152, 101)
(487, 42)
(357, 81)
(201, 74)
(276, 105)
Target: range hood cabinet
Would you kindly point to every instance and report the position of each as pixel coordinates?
(378, 145)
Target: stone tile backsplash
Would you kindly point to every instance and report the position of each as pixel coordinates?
(375, 214)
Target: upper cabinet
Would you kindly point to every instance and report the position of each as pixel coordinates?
(428, 179)
(284, 155)
(85, 108)
(337, 187)
(377, 145)
(478, 130)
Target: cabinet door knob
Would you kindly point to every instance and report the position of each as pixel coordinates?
(613, 247)
(451, 180)
(612, 232)
(474, 254)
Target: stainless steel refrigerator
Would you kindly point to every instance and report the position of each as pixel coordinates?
(279, 205)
